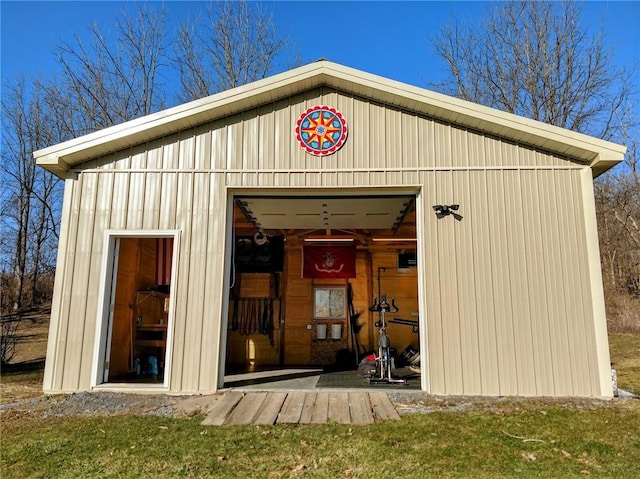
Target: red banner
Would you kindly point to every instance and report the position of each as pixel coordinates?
(164, 255)
(329, 261)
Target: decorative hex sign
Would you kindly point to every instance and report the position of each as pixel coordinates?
(321, 130)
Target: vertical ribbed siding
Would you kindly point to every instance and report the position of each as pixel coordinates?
(508, 295)
(54, 365)
(508, 287)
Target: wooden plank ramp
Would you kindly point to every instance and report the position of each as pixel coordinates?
(299, 407)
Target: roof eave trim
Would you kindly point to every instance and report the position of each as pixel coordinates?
(583, 147)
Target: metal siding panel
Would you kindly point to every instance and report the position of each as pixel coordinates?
(100, 214)
(58, 323)
(120, 200)
(553, 274)
(202, 158)
(122, 159)
(250, 135)
(195, 282)
(266, 138)
(184, 215)
(479, 213)
(345, 157)
(168, 201)
(154, 154)
(432, 152)
(459, 151)
(219, 145)
(186, 150)
(591, 377)
(567, 316)
(378, 140)
(170, 152)
(577, 314)
(498, 225)
(520, 287)
(598, 329)
(138, 157)
(442, 140)
(283, 121)
(151, 202)
(360, 134)
(234, 143)
(345, 179)
(78, 298)
(136, 201)
(265, 179)
(475, 150)
(470, 347)
(536, 278)
(393, 139)
(431, 270)
(409, 141)
(492, 152)
(214, 284)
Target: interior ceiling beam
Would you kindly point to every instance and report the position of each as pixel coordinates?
(328, 213)
(403, 213)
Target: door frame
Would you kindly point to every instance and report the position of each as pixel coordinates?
(103, 328)
(421, 208)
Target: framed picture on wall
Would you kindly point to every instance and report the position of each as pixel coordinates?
(329, 302)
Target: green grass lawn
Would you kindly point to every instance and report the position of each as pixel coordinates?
(523, 439)
(625, 357)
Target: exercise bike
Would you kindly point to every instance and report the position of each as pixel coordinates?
(384, 361)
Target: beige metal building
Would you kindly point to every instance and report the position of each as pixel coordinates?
(506, 291)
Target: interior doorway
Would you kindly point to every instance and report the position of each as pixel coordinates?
(134, 342)
(380, 229)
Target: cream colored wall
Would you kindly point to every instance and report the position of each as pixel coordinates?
(508, 293)
(508, 287)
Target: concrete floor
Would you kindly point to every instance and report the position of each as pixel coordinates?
(314, 379)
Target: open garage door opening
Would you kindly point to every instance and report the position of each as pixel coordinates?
(312, 280)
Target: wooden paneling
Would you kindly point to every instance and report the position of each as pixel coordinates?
(298, 312)
(121, 358)
(402, 287)
(255, 349)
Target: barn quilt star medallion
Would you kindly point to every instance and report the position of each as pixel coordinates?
(321, 130)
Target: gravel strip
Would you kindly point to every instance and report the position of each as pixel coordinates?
(415, 402)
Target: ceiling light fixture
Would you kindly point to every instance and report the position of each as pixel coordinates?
(394, 239)
(329, 239)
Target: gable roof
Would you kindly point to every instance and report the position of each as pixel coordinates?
(600, 155)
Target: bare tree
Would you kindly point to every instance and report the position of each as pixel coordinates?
(109, 82)
(618, 202)
(28, 220)
(237, 43)
(535, 59)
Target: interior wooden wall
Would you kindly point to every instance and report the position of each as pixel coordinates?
(254, 349)
(120, 358)
(136, 272)
(403, 286)
(301, 345)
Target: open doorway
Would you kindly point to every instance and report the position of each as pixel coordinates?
(301, 334)
(134, 339)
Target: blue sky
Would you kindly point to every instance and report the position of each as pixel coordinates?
(386, 38)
